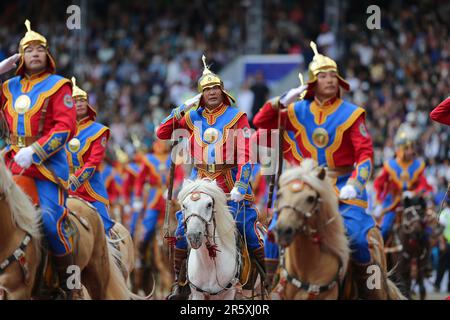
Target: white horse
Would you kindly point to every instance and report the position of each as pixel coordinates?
(209, 224)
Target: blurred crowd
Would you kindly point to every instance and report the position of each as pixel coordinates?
(139, 59)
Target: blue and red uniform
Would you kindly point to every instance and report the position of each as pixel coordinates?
(227, 163)
(130, 174)
(335, 136)
(396, 177)
(46, 124)
(85, 158)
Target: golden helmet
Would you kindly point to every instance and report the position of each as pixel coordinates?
(209, 80)
(403, 139)
(32, 36)
(321, 63)
(79, 93)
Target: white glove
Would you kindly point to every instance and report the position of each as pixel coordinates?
(190, 102)
(138, 205)
(127, 209)
(377, 211)
(235, 195)
(292, 95)
(348, 192)
(9, 63)
(24, 157)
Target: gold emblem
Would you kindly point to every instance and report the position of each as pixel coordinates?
(211, 135)
(162, 167)
(54, 143)
(74, 145)
(296, 186)
(320, 137)
(22, 104)
(364, 173)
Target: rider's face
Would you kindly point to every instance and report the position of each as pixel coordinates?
(408, 152)
(213, 97)
(35, 57)
(327, 85)
(82, 108)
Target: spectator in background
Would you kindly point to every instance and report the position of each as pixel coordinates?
(260, 92)
(245, 99)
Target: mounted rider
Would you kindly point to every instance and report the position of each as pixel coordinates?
(332, 131)
(218, 154)
(86, 152)
(38, 108)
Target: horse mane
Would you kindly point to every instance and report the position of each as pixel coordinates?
(333, 236)
(23, 213)
(226, 228)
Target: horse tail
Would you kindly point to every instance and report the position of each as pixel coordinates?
(117, 288)
(393, 291)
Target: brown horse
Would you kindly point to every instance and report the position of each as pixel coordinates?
(21, 245)
(155, 274)
(414, 258)
(316, 258)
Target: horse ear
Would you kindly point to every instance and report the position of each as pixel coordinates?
(322, 173)
(187, 182)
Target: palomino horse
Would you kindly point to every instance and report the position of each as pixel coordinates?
(215, 261)
(413, 259)
(311, 229)
(23, 257)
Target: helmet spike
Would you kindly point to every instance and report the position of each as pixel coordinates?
(300, 77)
(74, 81)
(28, 25)
(314, 47)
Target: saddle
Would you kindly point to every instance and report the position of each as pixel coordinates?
(46, 284)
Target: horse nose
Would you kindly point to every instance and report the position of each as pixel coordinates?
(286, 233)
(195, 238)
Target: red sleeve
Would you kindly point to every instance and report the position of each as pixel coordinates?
(127, 187)
(166, 128)
(442, 112)
(140, 181)
(361, 140)
(267, 116)
(380, 184)
(423, 185)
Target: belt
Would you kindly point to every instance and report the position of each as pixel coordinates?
(339, 171)
(213, 168)
(22, 141)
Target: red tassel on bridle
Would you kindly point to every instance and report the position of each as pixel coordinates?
(212, 250)
(271, 236)
(171, 241)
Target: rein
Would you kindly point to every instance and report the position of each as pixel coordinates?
(212, 248)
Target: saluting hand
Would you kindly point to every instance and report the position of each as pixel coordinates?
(9, 63)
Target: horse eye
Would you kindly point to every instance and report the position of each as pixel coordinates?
(209, 206)
(310, 199)
(184, 207)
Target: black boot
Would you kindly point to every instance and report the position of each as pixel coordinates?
(62, 264)
(180, 289)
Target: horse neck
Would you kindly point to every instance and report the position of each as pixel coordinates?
(306, 260)
(7, 225)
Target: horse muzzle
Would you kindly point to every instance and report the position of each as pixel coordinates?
(195, 239)
(285, 235)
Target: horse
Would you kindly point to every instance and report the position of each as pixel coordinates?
(412, 232)
(215, 260)
(316, 254)
(154, 274)
(25, 267)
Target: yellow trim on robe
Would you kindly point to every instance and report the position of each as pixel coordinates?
(329, 152)
(302, 131)
(292, 146)
(88, 144)
(416, 174)
(393, 175)
(323, 111)
(94, 194)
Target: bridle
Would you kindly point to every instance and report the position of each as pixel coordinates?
(312, 233)
(407, 221)
(195, 196)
